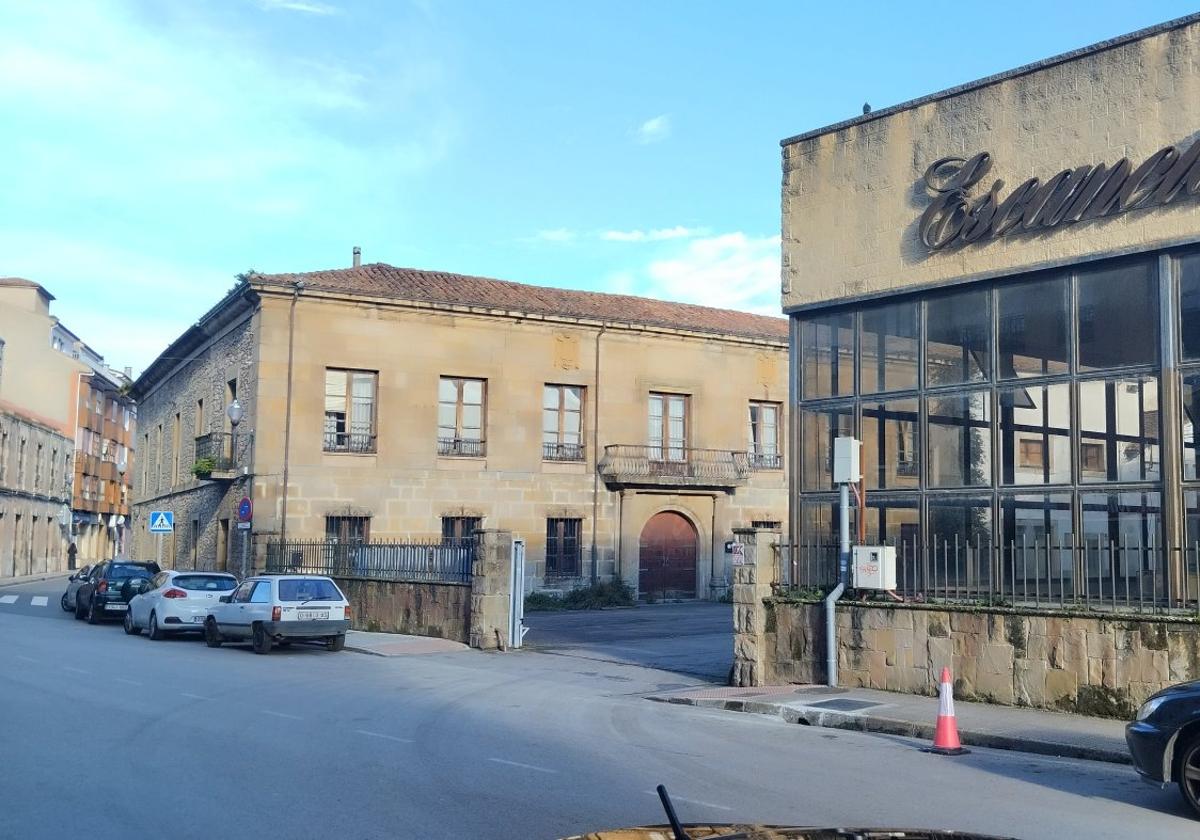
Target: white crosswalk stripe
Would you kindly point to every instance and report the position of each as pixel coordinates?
(39, 600)
(8, 599)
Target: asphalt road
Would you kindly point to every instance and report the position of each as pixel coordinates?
(106, 736)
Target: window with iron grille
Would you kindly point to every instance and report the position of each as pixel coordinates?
(764, 436)
(347, 529)
(562, 423)
(460, 529)
(562, 547)
(350, 410)
(461, 416)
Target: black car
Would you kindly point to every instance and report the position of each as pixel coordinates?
(1164, 740)
(106, 591)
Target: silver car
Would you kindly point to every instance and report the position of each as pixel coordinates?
(73, 583)
(280, 609)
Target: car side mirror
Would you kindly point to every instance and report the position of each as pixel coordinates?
(224, 599)
(72, 577)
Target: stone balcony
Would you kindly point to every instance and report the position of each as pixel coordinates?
(627, 465)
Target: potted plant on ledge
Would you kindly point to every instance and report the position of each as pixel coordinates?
(203, 468)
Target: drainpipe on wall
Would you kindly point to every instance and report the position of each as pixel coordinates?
(831, 676)
(287, 420)
(596, 457)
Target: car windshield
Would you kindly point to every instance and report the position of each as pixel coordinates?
(205, 583)
(122, 572)
(308, 590)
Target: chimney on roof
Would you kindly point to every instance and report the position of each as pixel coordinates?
(129, 373)
(357, 256)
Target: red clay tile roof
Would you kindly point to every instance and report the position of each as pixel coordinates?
(383, 280)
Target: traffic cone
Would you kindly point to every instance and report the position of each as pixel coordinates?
(945, 738)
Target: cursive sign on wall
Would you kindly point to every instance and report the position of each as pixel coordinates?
(1073, 195)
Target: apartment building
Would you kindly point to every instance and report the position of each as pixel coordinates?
(618, 436)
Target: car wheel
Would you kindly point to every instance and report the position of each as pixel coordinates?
(80, 609)
(212, 636)
(92, 618)
(131, 628)
(1189, 774)
(336, 643)
(65, 604)
(260, 639)
(155, 634)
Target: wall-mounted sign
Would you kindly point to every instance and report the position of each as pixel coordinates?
(1072, 195)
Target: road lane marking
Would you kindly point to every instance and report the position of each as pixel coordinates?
(130, 682)
(75, 670)
(381, 735)
(281, 714)
(193, 696)
(26, 658)
(8, 599)
(525, 766)
(39, 600)
(695, 802)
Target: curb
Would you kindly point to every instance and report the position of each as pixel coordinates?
(34, 579)
(365, 651)
(905, 728)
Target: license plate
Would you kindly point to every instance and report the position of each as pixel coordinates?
(312, 615)
(197, 619)
(117, 607)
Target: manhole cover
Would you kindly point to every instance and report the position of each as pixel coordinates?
(843, 704)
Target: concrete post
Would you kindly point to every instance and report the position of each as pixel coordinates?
(490, 592)
(752, 582)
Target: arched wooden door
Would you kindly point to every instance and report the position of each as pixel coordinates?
(667, 557)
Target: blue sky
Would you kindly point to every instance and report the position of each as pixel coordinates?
(155, 148)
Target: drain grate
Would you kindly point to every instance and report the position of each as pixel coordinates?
(844, 704)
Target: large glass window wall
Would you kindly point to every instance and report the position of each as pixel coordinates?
(1005, 424)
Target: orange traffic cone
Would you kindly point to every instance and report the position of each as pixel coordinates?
(945, 738)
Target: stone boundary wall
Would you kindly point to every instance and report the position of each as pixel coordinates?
(417, 609)
(1096, 665)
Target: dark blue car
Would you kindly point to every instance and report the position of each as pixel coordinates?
(1164, 740)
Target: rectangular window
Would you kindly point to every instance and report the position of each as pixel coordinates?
(958, 338)
(21, 464)
(889, 359)
(1118, 316)
(461, 415)
(562, 547)
(960, 537)
(1035, 434)
(1119, 433)
(1113, 524)
(195, 543)
(1034, 338)
(1190, 397)
(176, 433)
(37, 469)
(764, 436)
(827, 355)
(350, 410)
(960, 440)
(347, 529)
(146, 463)
(667, 428)
(459, 530)
(1189, 306)
(818, 429)
(200, 420)
(562, 423)
(889, 450)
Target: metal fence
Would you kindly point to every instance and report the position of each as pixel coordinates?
(432, 562)
(1087, 574)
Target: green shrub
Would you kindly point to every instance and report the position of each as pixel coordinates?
(542, 602)
(203, 467)
(594, 597)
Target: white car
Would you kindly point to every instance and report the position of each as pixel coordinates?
(175, 602)
(280, 609)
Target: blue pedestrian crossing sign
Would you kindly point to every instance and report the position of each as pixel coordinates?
(162, 522)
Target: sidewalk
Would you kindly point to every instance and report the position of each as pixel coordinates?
(393, 644)
(17, 581)
(979, 724)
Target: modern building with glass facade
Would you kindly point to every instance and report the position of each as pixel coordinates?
(997, 289)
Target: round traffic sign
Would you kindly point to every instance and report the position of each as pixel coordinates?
(245, 509)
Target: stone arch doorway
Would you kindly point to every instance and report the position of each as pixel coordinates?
(667, 552)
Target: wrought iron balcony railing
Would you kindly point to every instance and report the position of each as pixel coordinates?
(765, 460)
(462, 448)
(228, 452)
(354, 442)
(625, 464)
(562, 452)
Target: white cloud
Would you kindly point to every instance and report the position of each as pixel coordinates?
(659, 235)
(730, 271)
(554, 235)
(653, 130)
(303, 6)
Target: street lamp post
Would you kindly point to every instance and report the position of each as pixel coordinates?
(122, 468)
(235, 413)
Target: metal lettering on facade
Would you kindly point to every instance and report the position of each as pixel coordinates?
(1072, 195)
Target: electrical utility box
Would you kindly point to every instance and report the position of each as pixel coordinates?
(846, 460)
(874, 567)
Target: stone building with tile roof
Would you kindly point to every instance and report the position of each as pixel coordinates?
(618, 436)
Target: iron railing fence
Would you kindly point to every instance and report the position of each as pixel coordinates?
(718, 467)
(462, 446)
(423, 562)
(354, 442)
(1061, 573)
(563, 451)
(228, 450)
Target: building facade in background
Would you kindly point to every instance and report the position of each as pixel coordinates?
(997, 289)
(618, 436)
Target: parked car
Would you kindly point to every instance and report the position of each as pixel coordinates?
(1164, 740)
(73, 583)
(175, 602)
(270, 609)
(106, 591)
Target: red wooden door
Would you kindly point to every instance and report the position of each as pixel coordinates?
(667, 561)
